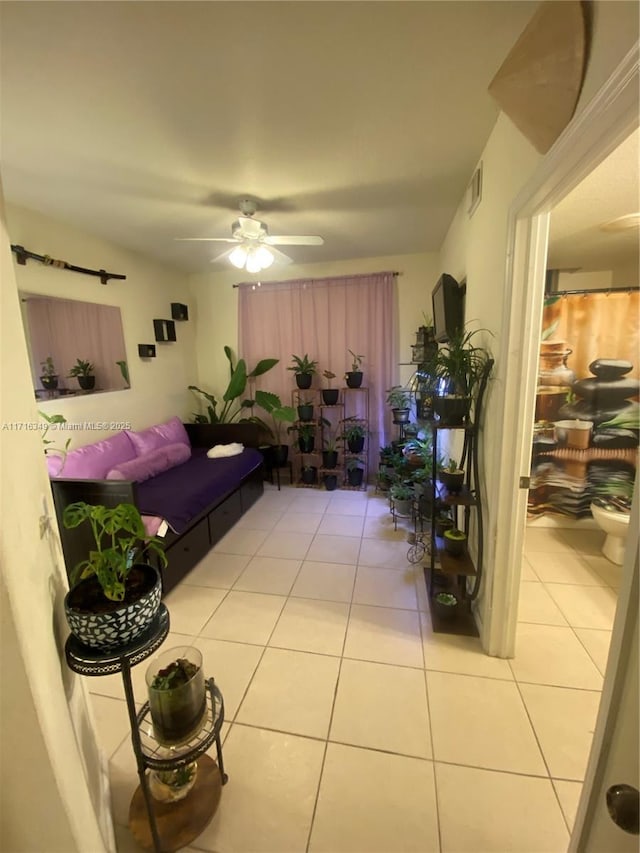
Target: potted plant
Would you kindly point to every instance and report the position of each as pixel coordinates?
(329, 394)
(446, 605)
(177, 699)
(330, 482)
(354, 434)
(305, 408)
(452, 477)
(455, 542)
(355, 472)
(354, 376)
(304, 370)
(48, 376)
(83, 371)
(113, 598)
(309, 475)
(330, 452)
(399, 399)
(279, 415)
(443, 522)
(306, 436)
(402, 496)
(459, 366)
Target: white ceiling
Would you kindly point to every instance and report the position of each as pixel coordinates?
(144, 121)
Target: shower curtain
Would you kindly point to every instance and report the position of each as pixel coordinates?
(587, 421)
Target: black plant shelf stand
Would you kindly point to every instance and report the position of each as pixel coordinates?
(175, 831)
(22, 255)
(452, 572)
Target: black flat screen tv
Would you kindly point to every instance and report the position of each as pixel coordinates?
(447, 299)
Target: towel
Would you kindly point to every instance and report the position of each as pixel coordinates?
(220, 450)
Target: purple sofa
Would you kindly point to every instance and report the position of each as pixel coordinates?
(165, 472)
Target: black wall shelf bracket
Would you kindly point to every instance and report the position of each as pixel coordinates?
(23, 255)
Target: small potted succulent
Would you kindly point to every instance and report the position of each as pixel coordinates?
(443, 522)
(84, 373)
(399, 399)
(354, 376)
(329, 394)
(446, 605)
(455, 542)
(452, 477)
(48, 376)
(402, 496)
(304, 370)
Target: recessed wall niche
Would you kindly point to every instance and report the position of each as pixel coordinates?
(165, 330)
(179, 311)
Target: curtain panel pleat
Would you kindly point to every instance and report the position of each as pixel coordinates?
(325, 318)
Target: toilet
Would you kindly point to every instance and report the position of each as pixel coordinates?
(612, 517)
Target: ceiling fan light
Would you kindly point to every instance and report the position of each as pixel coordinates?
(264, 257)
(253, 263)
(238, 257)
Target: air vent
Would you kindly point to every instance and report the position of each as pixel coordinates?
(474, 191)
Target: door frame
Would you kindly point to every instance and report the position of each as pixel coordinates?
(609, 118)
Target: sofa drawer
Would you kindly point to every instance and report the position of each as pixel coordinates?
(185, 553)
(223, 517)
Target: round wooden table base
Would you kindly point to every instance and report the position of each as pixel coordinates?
(179, 823)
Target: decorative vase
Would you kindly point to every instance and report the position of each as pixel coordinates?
(171, 786)
(49, 383)
(401, 416)
(176, 712)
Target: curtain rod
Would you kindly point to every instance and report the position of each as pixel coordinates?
(607, 290)
(324, 278)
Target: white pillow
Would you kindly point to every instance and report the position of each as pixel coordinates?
(225, 450)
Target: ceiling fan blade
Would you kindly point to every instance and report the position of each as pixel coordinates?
(301, 240)
(280, 257)
(220, 257)
(207, 239)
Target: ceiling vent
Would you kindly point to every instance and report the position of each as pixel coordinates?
(474, 190)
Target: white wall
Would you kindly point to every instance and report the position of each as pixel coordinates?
(217, 306)
(477, 246)
(158, 386)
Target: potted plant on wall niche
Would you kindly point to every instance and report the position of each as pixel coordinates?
(48, 376)
(114, 598)
(83, 371)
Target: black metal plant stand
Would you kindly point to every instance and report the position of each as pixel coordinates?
(147, 751)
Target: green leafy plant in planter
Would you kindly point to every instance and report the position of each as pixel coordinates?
(354, 376)
(48, 375)
(83, 371)
(177, 699)
(305, 408)
(309, 475)
(455, 542)
(279, 415)
(355, 472)
(330, 451)
(354, 434)
(451, 476)
(402, 495)
(304, 369)
(459, 365)
(306, 436)
(446, 605)
(399, 399)
(329, 394)
(114, 598)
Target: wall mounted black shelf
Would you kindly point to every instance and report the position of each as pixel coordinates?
(165, 330)
(179, 311)
(147, 350)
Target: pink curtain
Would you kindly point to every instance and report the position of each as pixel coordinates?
(325, 318)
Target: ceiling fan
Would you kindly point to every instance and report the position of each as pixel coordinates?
(254, 246)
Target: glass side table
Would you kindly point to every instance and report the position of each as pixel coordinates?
(162, 827)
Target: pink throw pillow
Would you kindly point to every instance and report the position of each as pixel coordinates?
(93, 461)
(149, 464)
(159, 435)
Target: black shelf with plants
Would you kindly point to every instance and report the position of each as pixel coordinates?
(354, 430)
(331, 470)
(456, 499)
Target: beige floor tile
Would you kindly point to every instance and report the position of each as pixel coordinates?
(299, 522)
(372, 802)
(527, 573)
(292, 692)
(268, 574)
(483, 811)
(382, 707)
(585, 541)
(563, 567)
(597, 645)
(536, 605)
(469, 719)
(259, 519)
(232, 665)
(310, 501)
(276, 501)
(112, 722)
(545, 539)
(241, 541)
(328, 581)
(378, 507)
(125, 842)
(382, 527)
(246, 617)
(564, 721)
(585, 606)
(547, 654)
(610, 573)
(292, 546)
(462, 655)
(421, 587)
(385, 588)
(191, 606)
(310, 625)
(347, 506)
(217, 570)
(334, 549)
(383, 554)
(342, 525)
(384, 635)
(123, 781)
(569, 796)
(268, 804)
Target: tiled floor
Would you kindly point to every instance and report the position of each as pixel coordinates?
(350, 726)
